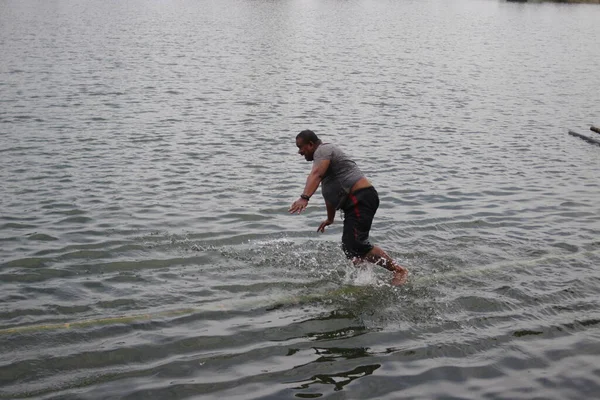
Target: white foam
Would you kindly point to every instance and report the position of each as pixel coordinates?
(267, 242)
(361, 275)
(365, 276)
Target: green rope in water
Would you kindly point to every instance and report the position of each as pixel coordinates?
(96, 322)
(300, 299)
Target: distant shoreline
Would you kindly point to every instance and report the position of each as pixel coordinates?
(555, 1)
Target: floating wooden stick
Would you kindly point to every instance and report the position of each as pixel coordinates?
(595, 129)
(586, 138)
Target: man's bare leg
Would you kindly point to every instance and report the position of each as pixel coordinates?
(379, 257)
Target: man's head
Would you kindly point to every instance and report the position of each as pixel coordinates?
(307, 142)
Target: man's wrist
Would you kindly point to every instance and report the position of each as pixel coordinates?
(305, 197)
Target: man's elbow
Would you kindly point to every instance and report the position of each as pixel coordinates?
(318, 175)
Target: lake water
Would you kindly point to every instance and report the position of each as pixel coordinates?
(147, 162)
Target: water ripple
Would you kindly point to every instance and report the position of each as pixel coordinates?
(148, 161)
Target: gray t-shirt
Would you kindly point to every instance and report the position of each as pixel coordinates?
(341, 175)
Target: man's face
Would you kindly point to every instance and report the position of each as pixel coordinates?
(305, 149)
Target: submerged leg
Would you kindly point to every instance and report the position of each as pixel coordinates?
(381, 258)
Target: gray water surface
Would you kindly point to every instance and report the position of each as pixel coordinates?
(147, 162)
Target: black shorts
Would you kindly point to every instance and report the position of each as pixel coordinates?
(359, 211)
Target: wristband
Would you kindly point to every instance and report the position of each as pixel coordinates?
(305, 197)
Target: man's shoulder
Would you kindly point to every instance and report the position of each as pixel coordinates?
(327, 148)
(325, 151)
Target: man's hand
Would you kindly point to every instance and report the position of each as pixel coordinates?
(325, 223)
(298, 206)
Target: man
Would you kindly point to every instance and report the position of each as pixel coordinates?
(344, 187)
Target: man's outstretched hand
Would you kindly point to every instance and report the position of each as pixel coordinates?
(298, 206)
(325, 223)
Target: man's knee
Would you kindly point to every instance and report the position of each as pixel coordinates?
(355, 248)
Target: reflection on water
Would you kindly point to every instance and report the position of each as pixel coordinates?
(338, 381)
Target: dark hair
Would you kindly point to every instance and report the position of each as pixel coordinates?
(308, 136)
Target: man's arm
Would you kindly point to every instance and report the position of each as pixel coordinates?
(312, 183)
(330, 211)
(315, 177)
(330, 217)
